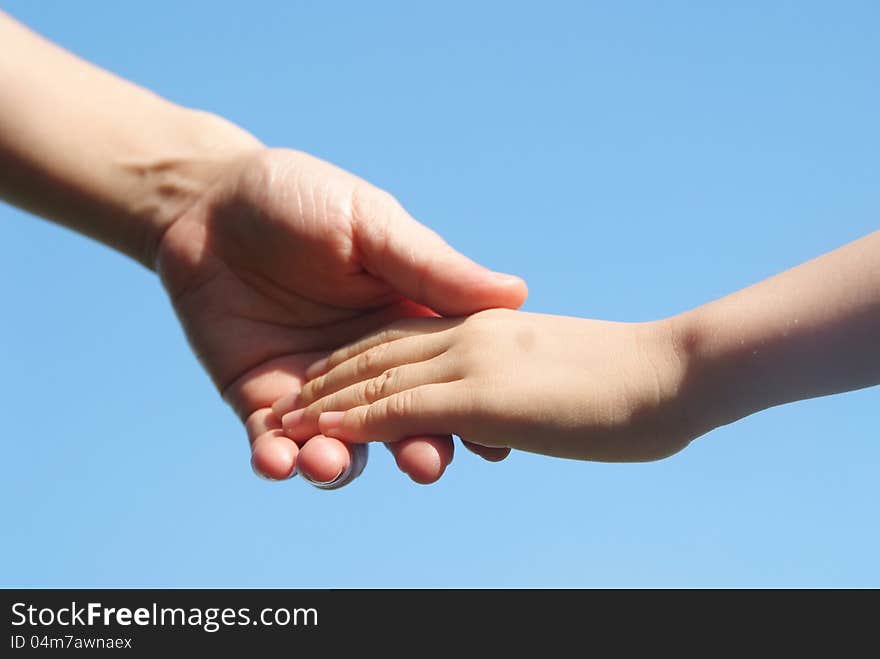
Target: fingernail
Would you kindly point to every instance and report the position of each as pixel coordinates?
(330, 423)
(292, 420)
(317, 368)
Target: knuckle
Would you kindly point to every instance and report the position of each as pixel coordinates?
(362, 365)
(389, 381)
(401, 405)
(380, 386)
(370, 390)
(369, 360)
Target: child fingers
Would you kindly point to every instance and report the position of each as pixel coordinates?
(399, 330)
(432, 409)
(370, 364)
(303, 422)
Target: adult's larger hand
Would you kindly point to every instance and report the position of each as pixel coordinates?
(286, 257)
(270, 256)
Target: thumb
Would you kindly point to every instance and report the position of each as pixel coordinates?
(425, 410)
(420, 265)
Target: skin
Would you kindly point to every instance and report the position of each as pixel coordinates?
(290, 258)
(271, 257)
(606, 391)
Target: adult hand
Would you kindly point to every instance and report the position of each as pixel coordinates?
(270, 256)
(286, 258)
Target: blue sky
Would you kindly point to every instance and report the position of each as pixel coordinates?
(629, 159)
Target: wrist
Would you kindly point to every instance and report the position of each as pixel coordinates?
(671, 387)
(89, 150)
(715, 389)
(168, 179)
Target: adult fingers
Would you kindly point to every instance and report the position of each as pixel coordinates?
(273, 454)
(423, 459)
(329, 464)
(420, 264)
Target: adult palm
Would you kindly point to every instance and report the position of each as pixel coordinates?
(287, 257)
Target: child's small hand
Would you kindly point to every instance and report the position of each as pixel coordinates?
(548, 384)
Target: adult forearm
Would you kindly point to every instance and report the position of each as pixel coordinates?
(811, 331)
(87, 149)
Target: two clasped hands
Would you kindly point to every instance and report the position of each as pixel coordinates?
(328, 317)
(314, 301)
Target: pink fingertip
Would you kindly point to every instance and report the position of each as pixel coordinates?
(324, 460)
(424, 458)
(275, 460)
(421, 461)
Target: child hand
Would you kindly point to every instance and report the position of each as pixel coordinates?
(554, 385)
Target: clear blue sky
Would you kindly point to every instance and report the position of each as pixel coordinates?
(629, 159)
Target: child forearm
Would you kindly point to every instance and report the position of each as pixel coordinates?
(89, 150)
(811, 331)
